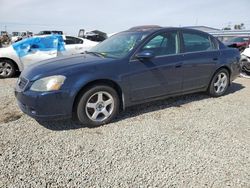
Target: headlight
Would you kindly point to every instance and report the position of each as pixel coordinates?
(51, 83)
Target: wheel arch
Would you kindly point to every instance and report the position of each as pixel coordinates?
(106, 82)
(217, 70)
(227, 68)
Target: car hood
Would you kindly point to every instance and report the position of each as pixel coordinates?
(61, 65)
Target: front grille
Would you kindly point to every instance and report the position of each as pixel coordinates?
(22, 83)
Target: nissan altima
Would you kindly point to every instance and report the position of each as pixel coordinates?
(132, 67)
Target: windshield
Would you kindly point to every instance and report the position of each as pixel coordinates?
(119, 45)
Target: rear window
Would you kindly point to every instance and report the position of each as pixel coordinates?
(73, 40)
(194, 42)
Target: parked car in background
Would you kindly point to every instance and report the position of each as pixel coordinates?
(95, 35)
(17, 36)
(240, 43)
(129, 68)
(245, 61)
(50, 32)
(38, 48)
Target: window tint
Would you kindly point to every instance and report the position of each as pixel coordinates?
(57, 32)
(196, 42)
(44, 33)
(163, 44)
(156, 42)
(73, 40)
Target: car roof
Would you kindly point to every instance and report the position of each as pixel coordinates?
(154, 28)
(145, 28)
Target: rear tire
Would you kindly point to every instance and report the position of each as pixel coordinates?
(7, 68)
(219, 83)
(97, 105)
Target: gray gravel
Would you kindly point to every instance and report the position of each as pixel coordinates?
(189, 141)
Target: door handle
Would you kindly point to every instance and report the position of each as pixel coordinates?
(215, 58)
(178, 65)
(78, 48)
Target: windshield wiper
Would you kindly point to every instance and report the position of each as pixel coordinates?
(95, 53)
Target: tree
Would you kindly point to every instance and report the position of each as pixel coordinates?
(239, 26)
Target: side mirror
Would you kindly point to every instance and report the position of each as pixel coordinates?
(145, 55)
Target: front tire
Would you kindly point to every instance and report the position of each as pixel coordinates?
(97, 105)
(219, 83)
(7, 68)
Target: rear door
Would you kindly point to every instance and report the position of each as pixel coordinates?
(200, 55)
(160, 75)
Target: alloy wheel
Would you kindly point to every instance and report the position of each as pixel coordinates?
(99, 106)
(221, 83)
(5, 69)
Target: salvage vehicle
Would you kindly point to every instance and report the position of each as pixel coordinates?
(28, 51)
(96, 35)
(132, 67)
(17, 36)
(245, 61)
(240, 43)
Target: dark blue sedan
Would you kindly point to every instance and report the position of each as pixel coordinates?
(136, 66)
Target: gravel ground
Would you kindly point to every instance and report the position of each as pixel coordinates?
(189, 141)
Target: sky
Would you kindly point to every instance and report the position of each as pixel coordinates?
(116, 15)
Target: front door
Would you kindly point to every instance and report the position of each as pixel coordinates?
(160, 75)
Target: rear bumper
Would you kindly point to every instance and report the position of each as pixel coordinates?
(234, 75)
(235, 71)
(45, 105)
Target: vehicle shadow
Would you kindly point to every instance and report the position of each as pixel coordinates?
(130, 112)
(234, 87)
(171, 102)
(60, 125)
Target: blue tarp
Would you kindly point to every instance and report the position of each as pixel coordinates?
(39, 43)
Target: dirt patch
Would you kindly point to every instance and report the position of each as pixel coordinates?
(10, 116)
(9, 110)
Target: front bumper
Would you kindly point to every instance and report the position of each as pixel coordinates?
(51, 105)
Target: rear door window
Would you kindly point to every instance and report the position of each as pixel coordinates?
(195, 42)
